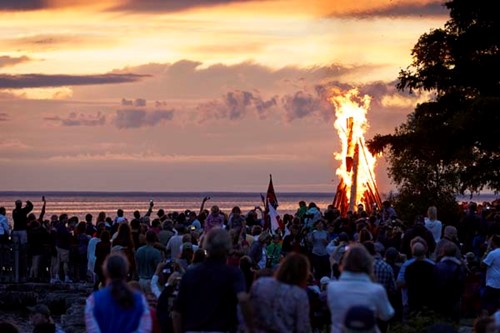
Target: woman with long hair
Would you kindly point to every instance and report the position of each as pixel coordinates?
(280, 303)
(117, 308)
(123, 242)
(433, 224)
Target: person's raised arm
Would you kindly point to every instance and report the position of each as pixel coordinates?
(202, 207)
(28, 208)
(42, 213)
(150, 209)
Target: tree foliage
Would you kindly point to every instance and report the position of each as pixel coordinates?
(451, 143)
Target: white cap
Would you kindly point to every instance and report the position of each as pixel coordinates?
(324, 280)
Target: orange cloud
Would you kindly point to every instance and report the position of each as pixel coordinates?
(6, 61)
(374, 8)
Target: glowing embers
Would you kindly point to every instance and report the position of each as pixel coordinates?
(356, 171)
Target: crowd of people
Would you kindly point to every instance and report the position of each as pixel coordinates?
(214, 271)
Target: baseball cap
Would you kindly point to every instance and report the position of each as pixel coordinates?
(360, 319)
(40, 308)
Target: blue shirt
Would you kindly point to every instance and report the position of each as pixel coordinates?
(111, 317)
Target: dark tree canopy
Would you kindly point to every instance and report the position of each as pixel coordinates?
(451, 143)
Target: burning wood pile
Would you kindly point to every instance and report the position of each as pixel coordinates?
(357, 183)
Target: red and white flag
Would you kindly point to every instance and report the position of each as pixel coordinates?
(272, 207)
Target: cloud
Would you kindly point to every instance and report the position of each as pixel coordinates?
(240, 91)
(4, 116)
(139, 102)
(166, 158)
(303, 104)
(13, 145)
(191, 80)
(6, 61)
(234, 105)
(127, 102)
(80, 119)
(22, 4)
(41, 80)
(170, 5)
(133, 118)
(312, 102)
(49, 41)
(27, 5)
(432, 9)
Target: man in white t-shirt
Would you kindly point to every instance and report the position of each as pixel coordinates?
(491, 299)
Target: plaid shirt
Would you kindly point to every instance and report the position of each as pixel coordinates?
(384, 274)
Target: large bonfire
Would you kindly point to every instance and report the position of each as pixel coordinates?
(356, 174)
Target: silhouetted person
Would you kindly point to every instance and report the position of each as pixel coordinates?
(20, 238)
(418, 230)
(209, 293)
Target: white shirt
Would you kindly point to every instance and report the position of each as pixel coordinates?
(263, 260)
(316, 216)
(4, 225)
(435, 227)
(175, 246)
(492, 260)
(91, 258)
(356, 289)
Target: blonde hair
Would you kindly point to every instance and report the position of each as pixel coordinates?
(432, 213)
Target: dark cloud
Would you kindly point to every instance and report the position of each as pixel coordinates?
(25, 5)
(300, 104)
(22, 4)
(170, 5)
(40, 80)
(127, 102)
(6, 61)
(139, 102)
(303, 104)
(4, 116)
(160, 104)
(235, 105)
(80, 119)
(133, 118)
(401, 10)
(51, 41)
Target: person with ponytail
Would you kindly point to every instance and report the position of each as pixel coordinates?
(117, 308)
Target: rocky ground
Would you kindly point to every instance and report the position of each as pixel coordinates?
(66, 302)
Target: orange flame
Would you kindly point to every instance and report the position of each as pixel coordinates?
(356, 172)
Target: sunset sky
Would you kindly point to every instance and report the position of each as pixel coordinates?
(195, 95)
